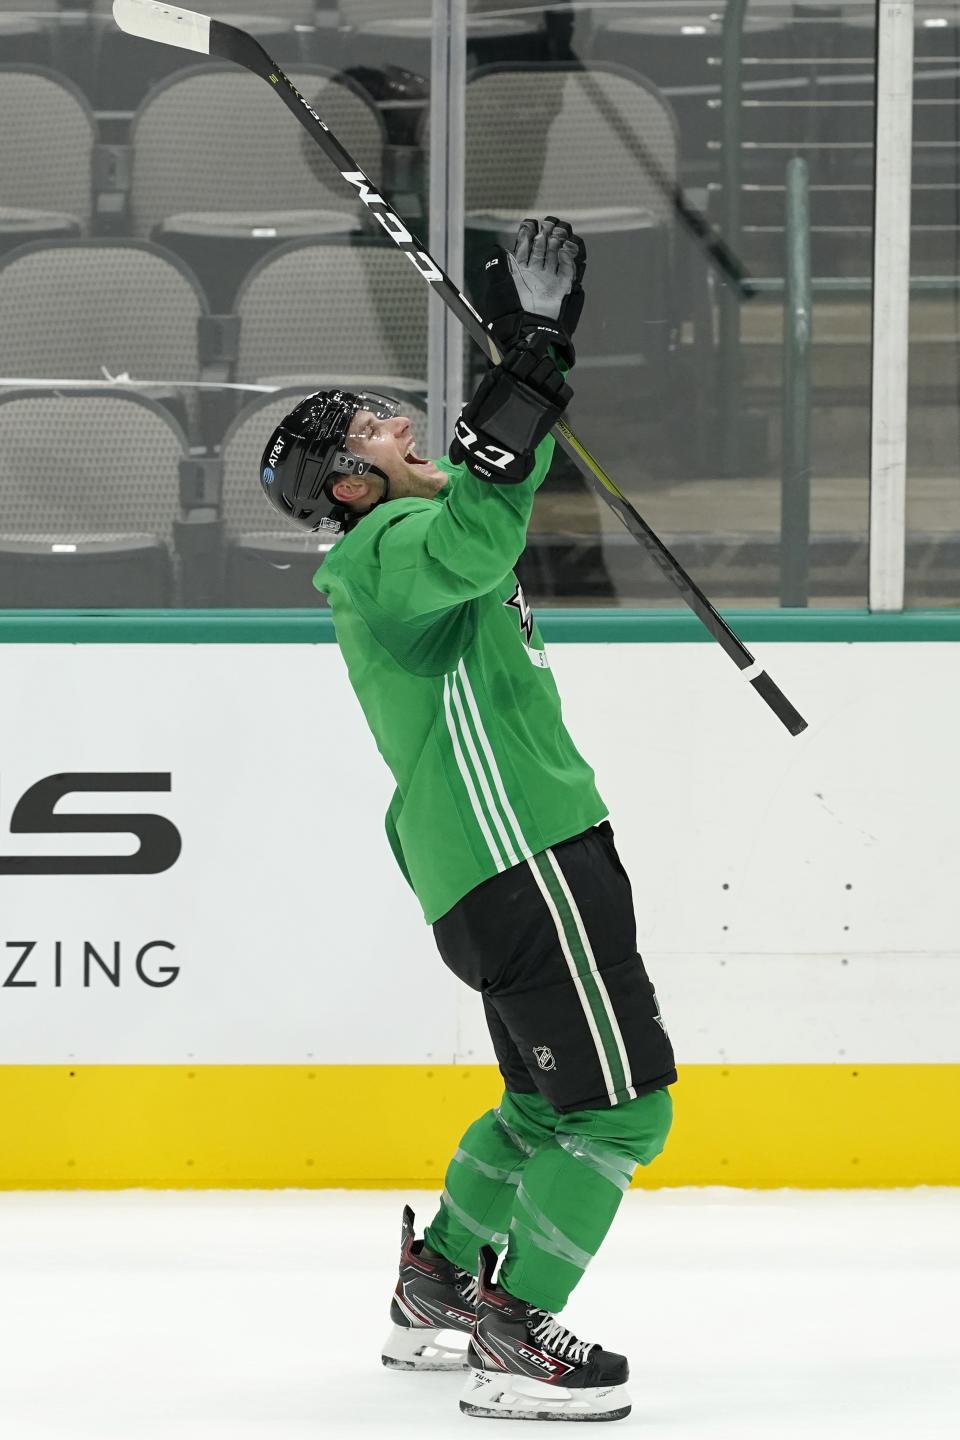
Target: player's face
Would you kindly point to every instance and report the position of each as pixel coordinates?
(390, 445)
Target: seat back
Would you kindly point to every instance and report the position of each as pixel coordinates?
(90, 310)
(100, 464)
(47, 134)
(566, 140)
(213, 138)
(367, 12)
(326, 308)
(298, 12)
(245, 510)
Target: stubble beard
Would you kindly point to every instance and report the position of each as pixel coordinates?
(420, 481)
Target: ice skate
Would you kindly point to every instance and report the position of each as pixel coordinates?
(526, 1366)
(432, 1309)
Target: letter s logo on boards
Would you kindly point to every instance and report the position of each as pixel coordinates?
(35, 813)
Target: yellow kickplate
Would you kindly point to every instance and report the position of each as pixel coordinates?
(376, 1126)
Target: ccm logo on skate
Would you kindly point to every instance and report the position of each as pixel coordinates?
(543, 1362)
(35, 813)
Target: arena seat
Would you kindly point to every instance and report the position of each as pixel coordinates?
(88, 499)
(318, 308)
(221, 173)
(597, 146)
(24, 30)
(266, 563)
(380, 34)
(95, 310)
(47, 138)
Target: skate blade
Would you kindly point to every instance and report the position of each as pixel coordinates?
(491, 1396)
(424, 1348)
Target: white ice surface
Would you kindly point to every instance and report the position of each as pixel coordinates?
(259, 1316)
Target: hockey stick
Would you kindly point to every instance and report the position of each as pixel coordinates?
(187, 30)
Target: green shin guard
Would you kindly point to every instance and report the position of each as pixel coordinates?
(570, 1191)
(480, 1186)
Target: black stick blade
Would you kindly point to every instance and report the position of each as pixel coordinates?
(778, 702)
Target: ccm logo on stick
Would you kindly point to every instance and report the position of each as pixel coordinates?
(35, 813)
(399, 233)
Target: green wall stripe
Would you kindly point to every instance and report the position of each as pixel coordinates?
(315, 627)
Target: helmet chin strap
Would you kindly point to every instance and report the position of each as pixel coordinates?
(357, 515)
(386, 485)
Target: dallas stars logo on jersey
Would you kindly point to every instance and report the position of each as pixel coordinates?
(518, 602)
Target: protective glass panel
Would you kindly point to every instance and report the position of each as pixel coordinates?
(718, 161)
(932, 575)
(191, 248)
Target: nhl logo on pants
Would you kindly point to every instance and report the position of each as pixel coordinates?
(544, 1057)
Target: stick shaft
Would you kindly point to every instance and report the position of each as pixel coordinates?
(171, 25)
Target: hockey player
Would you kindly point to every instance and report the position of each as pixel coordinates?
(498, 827)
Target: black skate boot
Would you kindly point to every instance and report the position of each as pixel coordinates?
(432, 1298)
(526, 1366)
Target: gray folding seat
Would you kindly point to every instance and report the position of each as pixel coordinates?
(296, 12)
(597, 146)
(380, 33)
(267, 563)
(89, 493)
(222, 172)
(25, 31)
(364, 12)
(47, 138)
(319, 309)
(594, 141)
(96, 310)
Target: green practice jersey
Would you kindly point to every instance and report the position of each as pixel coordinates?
(450, 669)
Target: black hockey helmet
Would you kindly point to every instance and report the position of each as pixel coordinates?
(308, 452)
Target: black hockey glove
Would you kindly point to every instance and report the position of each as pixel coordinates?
(516, 404)
(537, 288)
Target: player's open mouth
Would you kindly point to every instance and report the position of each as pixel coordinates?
(414, 459)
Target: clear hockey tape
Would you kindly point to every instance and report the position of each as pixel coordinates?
(545, 1235)
(492, 1172)
(518, 1140)
(491, 1237)
(615, 1168)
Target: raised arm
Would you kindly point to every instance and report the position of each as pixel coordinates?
(441, 556)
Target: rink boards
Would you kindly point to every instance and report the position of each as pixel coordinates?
(263, 1005)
